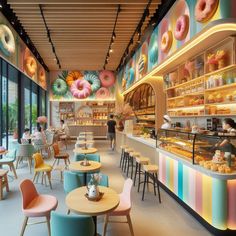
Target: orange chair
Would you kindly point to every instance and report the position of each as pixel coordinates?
(59, 155)
(35, 205)
(123, 208)
(41, 167)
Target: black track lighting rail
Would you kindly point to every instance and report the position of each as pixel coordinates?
(113, 37)
(49, 36)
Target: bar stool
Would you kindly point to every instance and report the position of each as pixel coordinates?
(3, 182)
(139, 162)
(131, 157)
(126, 157)
(122, 153)
(152, 172)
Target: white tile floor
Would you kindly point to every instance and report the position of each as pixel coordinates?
(149, 217)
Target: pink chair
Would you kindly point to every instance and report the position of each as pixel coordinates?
(35, 205)
(123, 208)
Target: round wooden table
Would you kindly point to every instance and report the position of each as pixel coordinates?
(76, 166)
(85, 151)
(79, 204)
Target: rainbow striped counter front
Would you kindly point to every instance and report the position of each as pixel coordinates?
(212, 196)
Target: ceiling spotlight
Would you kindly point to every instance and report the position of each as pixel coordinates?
(110, 50)
(21, 32)
(112, 41)
(13, 22)
(0, 5)
(114, 36)
(54, 59)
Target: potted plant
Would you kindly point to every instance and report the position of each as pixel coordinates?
(123, 113)
(42, 120)
(93, 190)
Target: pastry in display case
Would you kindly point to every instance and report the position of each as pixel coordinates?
(201, 149)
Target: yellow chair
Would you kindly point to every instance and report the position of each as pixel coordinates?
(41, 167)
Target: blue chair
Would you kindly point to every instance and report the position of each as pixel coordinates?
(103, 182)
(9, 159)
(72, 181)
(62, 225)
(90, 157)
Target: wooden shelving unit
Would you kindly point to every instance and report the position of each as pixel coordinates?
(204, 93)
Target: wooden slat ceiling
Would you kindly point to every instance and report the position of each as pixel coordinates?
(81, 29)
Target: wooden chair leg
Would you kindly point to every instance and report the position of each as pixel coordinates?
(130, 225)
(49, 179)
(24, 226)
(29, 163)
(54, 162)
(105, 224)
(48, 225)
(6, 182)
(13, 169)
(17, 162)
(35, 174)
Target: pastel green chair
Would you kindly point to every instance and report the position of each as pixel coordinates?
(71, 225)
(25, 151)
(103, 182)
(9, 159)
(72, 181)
(90, 157)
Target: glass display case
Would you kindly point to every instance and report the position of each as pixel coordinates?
(213, 152)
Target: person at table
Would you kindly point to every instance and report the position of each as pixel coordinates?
(111, 131)
(39, 134)
(167, 122)
(227, 145)
(26, 137)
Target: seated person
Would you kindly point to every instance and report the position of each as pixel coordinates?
(26, 137)
(39, 134)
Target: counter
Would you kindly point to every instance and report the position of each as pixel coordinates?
(209, 196)
(99, 131)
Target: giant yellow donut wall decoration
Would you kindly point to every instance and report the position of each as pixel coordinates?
(7, 41)
(42, 77)
(30, 66)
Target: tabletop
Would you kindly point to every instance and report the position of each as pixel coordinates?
(85, 151)
(76, 166)
(4, 152)
(78, 203)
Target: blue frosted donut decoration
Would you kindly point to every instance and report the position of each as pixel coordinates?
(154, 54)
(93, 80)
(7, 41)
(130, 79)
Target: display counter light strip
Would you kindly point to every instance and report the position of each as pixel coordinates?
(221, 27)
(213, 199)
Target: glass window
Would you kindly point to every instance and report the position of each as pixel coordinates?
(4, 103)
(34, 108)
(13, 101)
(27, 102)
